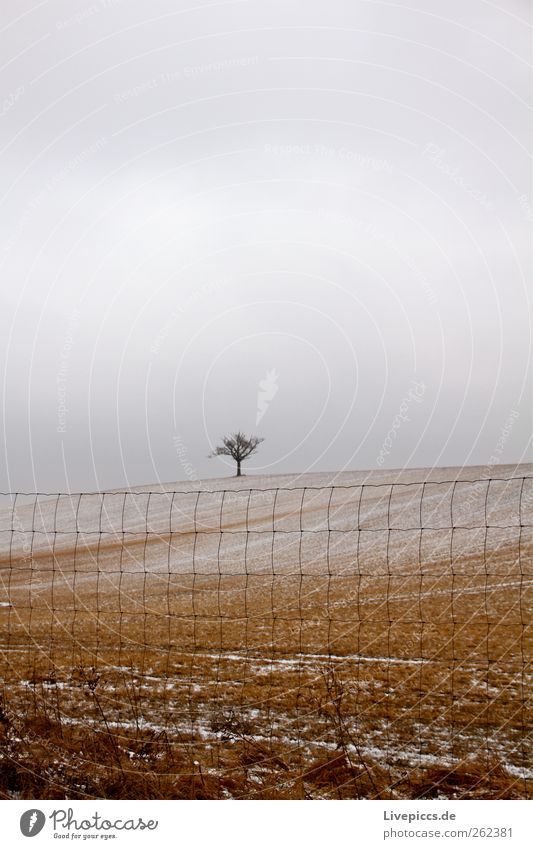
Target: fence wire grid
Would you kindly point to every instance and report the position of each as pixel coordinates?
(350, 641)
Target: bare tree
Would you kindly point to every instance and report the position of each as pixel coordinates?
(238, 446)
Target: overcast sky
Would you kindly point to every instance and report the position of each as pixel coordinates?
(323, 209)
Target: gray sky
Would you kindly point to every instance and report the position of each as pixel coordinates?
(197, 195)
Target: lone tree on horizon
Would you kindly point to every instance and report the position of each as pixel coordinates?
(238, 446)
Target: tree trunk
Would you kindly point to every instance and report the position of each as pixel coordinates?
(238, 468)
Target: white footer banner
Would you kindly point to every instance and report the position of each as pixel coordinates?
(267, 825)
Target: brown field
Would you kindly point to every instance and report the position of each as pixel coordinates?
(325, 639)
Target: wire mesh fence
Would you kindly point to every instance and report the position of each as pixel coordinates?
(368, 640)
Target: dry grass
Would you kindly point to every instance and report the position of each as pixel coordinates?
(355, 669)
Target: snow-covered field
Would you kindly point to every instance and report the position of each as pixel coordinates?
(264, 624)
(380, 513)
